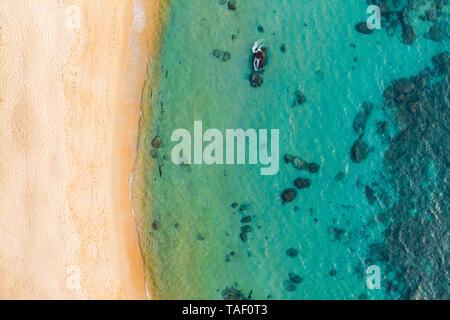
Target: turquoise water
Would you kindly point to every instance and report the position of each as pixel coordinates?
(195, 250)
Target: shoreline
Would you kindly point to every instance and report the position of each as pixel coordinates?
(70, 111)
(139, 198)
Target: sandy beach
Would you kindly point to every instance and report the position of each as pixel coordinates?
(72, 75)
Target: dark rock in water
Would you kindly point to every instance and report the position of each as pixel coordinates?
(217, 53)
(234, 205)
(313, 167)
(222, 55)
(403, 17)
(256, 79)
(156, 142)
(430, 14)
(370, 195)
(389, 92)
(441, 61)
(243, 236)
(234, 37)
(319, 75)
(246, 228)
(295, 278)
(244, 207)
(382, 127)
(404, 85)
(409, 35)
(288, 158)
(246, 219)
(227, 258)
(155, 225)
(299, 98)
(260, 29)
(333, 272)
(153, 154)
(360, 151)
(363, 296)
(232, 5)
(413, 106)
(288, 286)
(291, 252)
(338, 233)
(363, 28)
(435, 33)
(226, 56)
(302, 183)
(200, 237)
(340, 176)
(360, 120)
(283, 47)
(288, 195)
(299, 163)
(232, 294)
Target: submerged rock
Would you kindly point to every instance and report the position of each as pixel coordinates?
(441, 61)
(243, 236)
(370, 195)
(232, 293)
(302, 183)
(299, 98)
(288, 195)
(291, 252)
(295, 278)
(200, 237)
(288, 286)
(256, 79)
(217, 53)
(155, 225)
(360, 120)
(246, 228)
(359, 152)
(409, 35)
(156, 142)
(222, 55)
(226, 56)
(246, 219)
(435, 33)
(389, 92)
(232, 5)
(404, 85)
(299, 163)
(340, 176)
(244, 207)
(288, 158)
(313, 167)
(363, 28)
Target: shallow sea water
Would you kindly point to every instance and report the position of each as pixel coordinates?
(196, 252)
